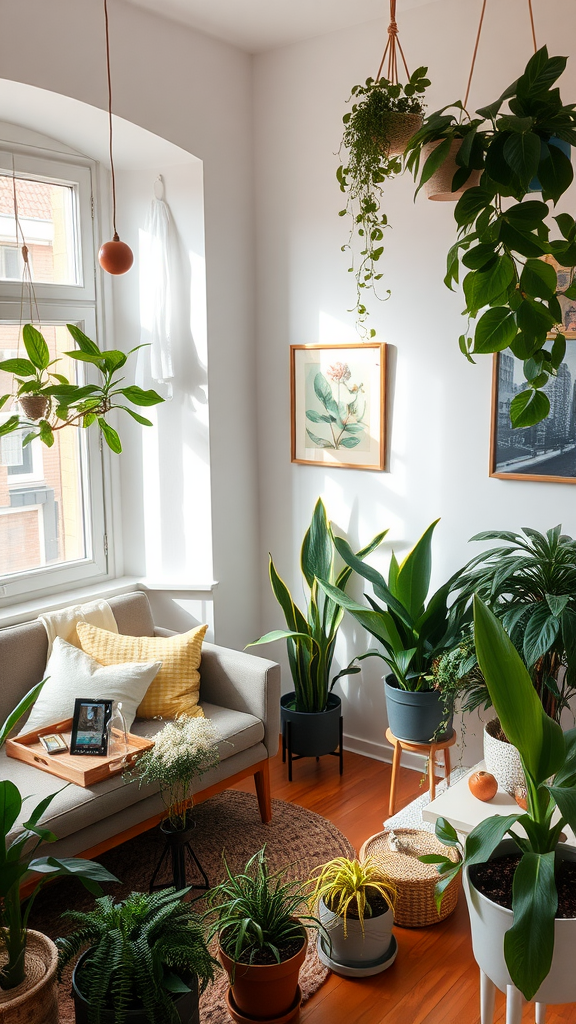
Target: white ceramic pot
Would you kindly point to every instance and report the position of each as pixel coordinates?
(490, 922)
(502, 760)
(357, 947)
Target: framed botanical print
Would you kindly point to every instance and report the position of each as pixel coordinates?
(547, 450)
(338, 405)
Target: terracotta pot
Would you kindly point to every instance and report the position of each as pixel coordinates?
(264, 992)
(35, 406)
(397, 130)
(286, 1018)
(35, 1001)
(439, 186)
(502, 760)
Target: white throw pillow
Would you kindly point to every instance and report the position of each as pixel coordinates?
(73, 673)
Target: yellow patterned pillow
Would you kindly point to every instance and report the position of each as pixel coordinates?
(176, 688)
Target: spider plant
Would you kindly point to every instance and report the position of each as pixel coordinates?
(142, 951)
(258, 912)
(344, 884)
(311, 638)
(529, 582)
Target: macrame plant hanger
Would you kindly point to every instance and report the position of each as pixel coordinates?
(393, 45)
(477, 43)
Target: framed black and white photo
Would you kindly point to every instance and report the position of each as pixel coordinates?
(546, 451)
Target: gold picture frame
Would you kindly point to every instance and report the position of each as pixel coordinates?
(337, 405)
(565, 277)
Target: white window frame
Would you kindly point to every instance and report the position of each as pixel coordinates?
(79, 304)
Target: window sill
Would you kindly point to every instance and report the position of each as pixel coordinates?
(26, 610)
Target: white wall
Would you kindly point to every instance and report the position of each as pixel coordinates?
(439, 414)
(195, 92)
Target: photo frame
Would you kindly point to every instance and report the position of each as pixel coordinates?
(565, 276)
(547, 451)
(337, 405)
(89, 726)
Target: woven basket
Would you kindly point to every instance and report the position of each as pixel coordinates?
(439, 186)
(35, 406)
(398, 128)
(396, 852)
(35, 1001)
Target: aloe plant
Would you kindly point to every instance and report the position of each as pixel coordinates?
(549, 761)
(311, 638)
(412, 632)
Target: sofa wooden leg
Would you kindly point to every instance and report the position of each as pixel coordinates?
(262, 782)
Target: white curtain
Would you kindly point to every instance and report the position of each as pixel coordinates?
(154, 367)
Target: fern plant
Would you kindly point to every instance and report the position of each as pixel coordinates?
(142, 950)
(258, 913)
(344, 885)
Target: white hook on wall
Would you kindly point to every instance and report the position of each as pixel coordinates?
(159, 187)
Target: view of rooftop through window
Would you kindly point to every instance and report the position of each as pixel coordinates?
(46, 212)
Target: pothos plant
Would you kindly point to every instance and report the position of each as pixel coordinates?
(367, 165)
(67, 404)
(503, 237)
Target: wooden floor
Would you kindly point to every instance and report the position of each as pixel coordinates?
(434, 979)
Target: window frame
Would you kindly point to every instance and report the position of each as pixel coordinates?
(80, 304)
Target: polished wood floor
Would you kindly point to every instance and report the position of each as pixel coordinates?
(434, 979)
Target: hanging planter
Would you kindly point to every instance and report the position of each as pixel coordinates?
(35, 407)
(440, 185)
(385, 114)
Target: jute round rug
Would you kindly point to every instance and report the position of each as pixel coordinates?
(229, 823)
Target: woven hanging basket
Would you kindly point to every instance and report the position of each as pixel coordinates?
(396, 852)
(439, 186)
(398, 128)
(35, 1001)
(35, 406)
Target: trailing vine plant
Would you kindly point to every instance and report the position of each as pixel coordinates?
(512, 299)
(372, 159)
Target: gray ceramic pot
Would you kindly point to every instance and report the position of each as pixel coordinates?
(414, 717)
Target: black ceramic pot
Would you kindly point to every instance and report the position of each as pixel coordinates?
(414, 716)
(186, 1004)
(313, 733)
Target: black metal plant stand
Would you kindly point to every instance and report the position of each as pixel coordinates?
(178, 852)
(287, 748)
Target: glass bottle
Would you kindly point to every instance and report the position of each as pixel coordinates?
(117, 732)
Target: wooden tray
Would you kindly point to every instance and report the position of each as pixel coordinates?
(82, 769)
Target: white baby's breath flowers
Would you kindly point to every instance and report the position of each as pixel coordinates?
(183, 750)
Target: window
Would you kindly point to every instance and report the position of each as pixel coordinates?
(52, 521)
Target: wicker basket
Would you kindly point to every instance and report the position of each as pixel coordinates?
(398, 128)
(396, 852)
(439, 186)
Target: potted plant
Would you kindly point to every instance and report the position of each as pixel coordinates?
(184, 750)
(51, 402)
(262, 940)
(412, 632)
(509, 289)
(28, 959)
(450, 149)
(312, 710)
(145, 958)
(384, 115)
(520, 892)
(355, 903)
(529, 582)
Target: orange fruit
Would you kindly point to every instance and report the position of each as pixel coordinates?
(483, 785)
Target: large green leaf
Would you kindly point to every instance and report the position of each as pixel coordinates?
(542, 628)
(35, 346)
(529, 944)
(539, 739)
(22, 367)
(555, 173)
(139, 397)
(110, 435)
(282, 634)
(485, 837)
(317, 550)
(413, 580)
(522, 153)
(294, 617)
(495, 330)
(565, 798)
(19, 711)
(381, 588)
(346, 572)
(434, 161)
(379, 624)
(534, 319)
(85, 344)
(538, 279)
(489, 284)
(10, 807)
(529, 407)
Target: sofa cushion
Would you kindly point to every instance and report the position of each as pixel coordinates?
(176, 688)
(71, 673)
(75, 808)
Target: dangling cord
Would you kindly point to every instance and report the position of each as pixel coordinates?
(478, 34)
(27, 284)
(109, 76)
(531, 13)
(393, 42)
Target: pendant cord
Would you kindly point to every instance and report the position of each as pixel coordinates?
(478, 34)
(393, 42)
(110, 133)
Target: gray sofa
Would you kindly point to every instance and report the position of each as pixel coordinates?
(239, 692)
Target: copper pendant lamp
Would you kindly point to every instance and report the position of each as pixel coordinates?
(115, 257)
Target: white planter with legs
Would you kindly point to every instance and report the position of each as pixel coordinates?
(489, 923)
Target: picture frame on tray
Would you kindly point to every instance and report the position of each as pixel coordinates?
(337, 405)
